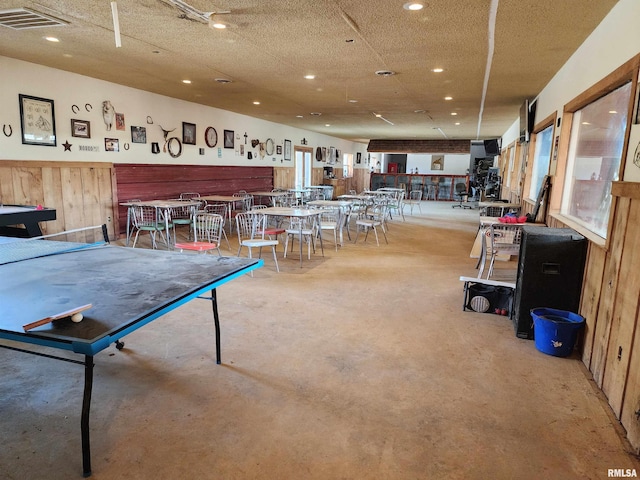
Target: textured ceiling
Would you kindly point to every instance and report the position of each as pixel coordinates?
(271, 44)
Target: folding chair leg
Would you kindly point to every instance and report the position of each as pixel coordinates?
(226, 238)
(250, 256)
(275, 258)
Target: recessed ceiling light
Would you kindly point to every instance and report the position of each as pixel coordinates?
(457, 123)
(613, 111)
(219, 26)
(353, 101)
(186, 81)
(67, 55)
(385, 73)
(413, 6)
(586, 123)
(256, 103)
(448, 98)
(223, 80)
(419, 111)
(155, 51)
(454, 113)
(315, 114)
(51, 39)
(437, 70)
(309, 77)
(299, 116)
(350, 40)
(327, 124)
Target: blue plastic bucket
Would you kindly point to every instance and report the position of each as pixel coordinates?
(555, 331)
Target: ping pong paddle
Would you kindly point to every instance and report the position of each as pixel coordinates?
(67, 313)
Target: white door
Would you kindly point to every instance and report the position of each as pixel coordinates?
(303, 168)
(299, 181)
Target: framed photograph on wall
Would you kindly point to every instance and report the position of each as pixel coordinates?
(188, 133)
(37, 120)
(111, 145)
(229, 140)
(287, 149)
(138, 134)
(437, 162)
(80, 128)
(120, 121)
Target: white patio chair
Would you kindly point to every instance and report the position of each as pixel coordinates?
(250, 227)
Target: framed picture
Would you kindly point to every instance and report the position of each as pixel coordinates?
(120, 121)
(437, 162)
(228, 139)
(287, 149)
(111, 145)
(358, 158)
(188, 133)
(80, 128)
(37, 120)
(138, 134)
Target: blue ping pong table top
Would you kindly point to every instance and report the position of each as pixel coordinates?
(127, 287)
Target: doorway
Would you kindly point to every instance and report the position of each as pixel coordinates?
(303, 166)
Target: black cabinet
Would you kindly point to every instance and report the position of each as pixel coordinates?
(550, 271)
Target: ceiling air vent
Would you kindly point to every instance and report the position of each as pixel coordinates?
(22, 18)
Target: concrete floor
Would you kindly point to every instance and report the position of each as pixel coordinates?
(360, 365)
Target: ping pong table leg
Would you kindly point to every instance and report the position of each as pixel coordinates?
(216, 320)
(84, 420)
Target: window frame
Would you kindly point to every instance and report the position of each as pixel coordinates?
(550, 121)
(625, 73)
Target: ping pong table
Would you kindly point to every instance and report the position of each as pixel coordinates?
(29, 217)
(127, 288)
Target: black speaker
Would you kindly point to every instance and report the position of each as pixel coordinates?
(550, 271)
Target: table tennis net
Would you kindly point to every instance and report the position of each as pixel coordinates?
(18, 249)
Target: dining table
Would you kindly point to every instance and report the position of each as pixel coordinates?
(302, 194)
(163, 210)
(366, 199)
(297, 212)
(228, 200)
(272, 196)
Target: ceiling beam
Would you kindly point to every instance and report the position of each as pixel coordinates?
(420, 146)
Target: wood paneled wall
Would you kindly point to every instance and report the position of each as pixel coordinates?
(81, 193)
(148, 182)
(610, 304)
(284, 177)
